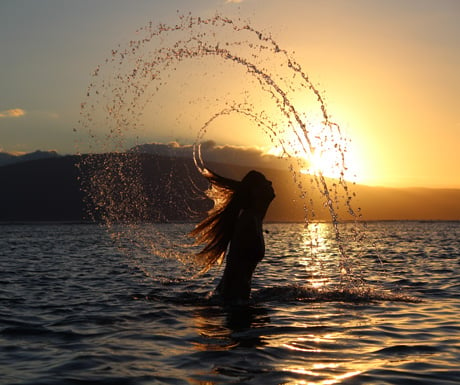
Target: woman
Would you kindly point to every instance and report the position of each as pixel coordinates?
(235, 226)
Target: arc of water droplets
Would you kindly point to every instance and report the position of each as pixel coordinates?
(122, 118)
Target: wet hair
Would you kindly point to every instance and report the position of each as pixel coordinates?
(216, 230)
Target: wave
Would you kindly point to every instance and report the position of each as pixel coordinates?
(285, 294)
(341, 294)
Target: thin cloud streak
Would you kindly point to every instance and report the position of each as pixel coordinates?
(12, 113)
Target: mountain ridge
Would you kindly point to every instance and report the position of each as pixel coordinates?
(7, 158)
(47, 189)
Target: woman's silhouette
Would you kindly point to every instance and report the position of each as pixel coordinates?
(234, 228)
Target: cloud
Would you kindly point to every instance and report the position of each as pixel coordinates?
(38, 114)
(172, 149)
(12, 113)
(250, 156)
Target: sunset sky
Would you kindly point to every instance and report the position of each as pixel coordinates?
(388, 70)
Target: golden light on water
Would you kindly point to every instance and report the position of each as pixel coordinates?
(321, 371)
(315, 243)
(330, 381)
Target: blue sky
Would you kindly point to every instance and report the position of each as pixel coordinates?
(388, 69)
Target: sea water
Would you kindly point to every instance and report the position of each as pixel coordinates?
(77, 309)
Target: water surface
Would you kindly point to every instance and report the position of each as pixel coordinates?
(74, 309)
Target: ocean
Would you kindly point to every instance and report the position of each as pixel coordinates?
(75, 308)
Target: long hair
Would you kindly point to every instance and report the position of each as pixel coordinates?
(216, 230)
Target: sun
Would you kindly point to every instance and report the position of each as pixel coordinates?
(338, 161)
(327, 152)
(327, 163)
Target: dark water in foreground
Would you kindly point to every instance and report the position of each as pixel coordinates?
(74, 310)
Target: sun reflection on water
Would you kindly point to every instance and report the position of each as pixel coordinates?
(330, 381)
(317, 256)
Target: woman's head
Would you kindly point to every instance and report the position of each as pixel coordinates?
(253, 189)
(256, 188)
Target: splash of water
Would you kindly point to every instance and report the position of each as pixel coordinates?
(141, 80)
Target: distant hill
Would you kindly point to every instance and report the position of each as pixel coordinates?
(41, 190)
(374, 203)
(48, 190)
(7, 158)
